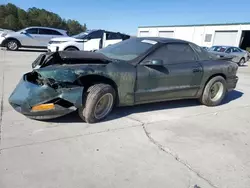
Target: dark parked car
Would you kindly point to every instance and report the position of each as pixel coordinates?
(131, 72)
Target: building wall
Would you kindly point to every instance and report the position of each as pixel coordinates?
(197, 34)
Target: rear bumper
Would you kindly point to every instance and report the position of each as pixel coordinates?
(231, 83)
(53, 47)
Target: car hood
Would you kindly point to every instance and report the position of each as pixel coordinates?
(11, 34)
(64, 58)
(60, 39)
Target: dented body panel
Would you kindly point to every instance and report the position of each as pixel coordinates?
(124, 80)
(62, 78)
(26, 95)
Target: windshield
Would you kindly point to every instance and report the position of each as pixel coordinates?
(128, 49)
(80, 35)
(218, 49)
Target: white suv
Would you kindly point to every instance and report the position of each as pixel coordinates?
(31, 37)
(86, 41)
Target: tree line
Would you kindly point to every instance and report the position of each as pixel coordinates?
(15, 18)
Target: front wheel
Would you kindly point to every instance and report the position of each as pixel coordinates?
(214, 91)
(99, 103)
(12, 45)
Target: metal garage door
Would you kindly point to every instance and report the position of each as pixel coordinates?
(167, 34)
(225, 38)
(144, 33)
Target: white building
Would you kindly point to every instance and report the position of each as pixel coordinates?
(235, 34)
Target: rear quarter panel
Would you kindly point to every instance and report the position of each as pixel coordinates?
(212, 68)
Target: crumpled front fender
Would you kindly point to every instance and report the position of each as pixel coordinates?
(27, 94)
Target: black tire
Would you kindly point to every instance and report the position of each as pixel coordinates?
(207, 95)
(95, 94)
(242, 62)
(81, 113)
(12, 45)
(71, 49)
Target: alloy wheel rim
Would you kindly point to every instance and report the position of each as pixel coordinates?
(103, 106)
(242, 61)
(216, 91)
(12, 45)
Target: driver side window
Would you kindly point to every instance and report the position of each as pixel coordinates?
(229, 50)
(95, 35)
(32, 31)
(173, 54)
(236, 50)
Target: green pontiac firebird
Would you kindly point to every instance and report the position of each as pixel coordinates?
(134, 71)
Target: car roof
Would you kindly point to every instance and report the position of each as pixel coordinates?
(62, 30)
(108, 31)
(164, 40)
(225, 46)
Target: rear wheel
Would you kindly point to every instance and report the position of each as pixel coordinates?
(241, 62)
(12, 45)
(214, 91)
(99, 103)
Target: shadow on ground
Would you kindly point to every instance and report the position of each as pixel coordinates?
(126, 111)
(25, 50)
(32, 50)
(245, 65)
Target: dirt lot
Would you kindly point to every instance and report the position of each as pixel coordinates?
(171, 144)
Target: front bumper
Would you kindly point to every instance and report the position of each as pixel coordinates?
(231, 83)
(27, 94)
(53, 48)
(1, 42)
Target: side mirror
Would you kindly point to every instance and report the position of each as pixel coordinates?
(23, 32)
(154, 62)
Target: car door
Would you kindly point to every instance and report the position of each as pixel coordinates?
(45, 35)
(93, 41)
(111, 38)
(179, 76)
(229, 51)
(29, 37)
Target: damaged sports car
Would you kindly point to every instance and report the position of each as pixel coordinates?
(132, 72)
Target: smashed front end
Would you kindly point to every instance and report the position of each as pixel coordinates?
(41, 98)
(52, 88)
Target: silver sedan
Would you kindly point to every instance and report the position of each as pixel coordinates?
(238, 55)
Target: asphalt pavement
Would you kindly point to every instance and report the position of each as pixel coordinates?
(170, 144)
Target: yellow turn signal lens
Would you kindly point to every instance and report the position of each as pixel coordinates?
(43, 107)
